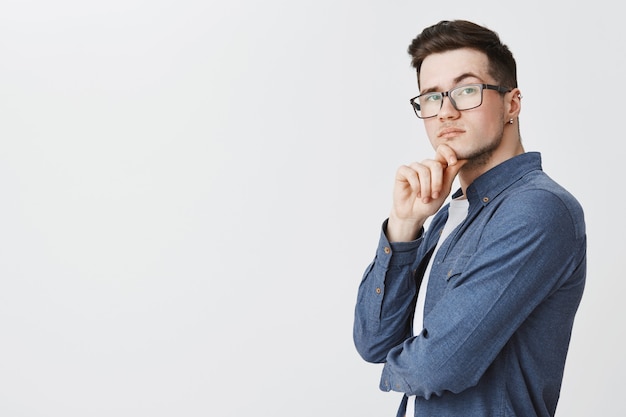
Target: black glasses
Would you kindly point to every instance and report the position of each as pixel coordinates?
(464, 97)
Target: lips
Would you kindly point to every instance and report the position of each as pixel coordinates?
(450, 132)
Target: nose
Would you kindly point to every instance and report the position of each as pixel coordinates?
(448, 110)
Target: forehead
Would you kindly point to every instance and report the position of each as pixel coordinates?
(443, 70)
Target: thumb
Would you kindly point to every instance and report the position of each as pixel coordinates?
(450, 173)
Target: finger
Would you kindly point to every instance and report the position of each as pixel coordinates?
(434, 171)
(445, 154)
(451, 172)
(424, 175)
(406, 175)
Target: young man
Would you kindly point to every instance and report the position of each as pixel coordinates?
(473, 317)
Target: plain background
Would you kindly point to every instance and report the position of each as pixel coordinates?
(190, 192)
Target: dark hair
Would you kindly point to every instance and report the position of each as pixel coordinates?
(456, 34)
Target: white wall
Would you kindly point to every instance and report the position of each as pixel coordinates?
(190, 191)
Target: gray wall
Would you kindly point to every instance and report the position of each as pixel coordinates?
(191, 190)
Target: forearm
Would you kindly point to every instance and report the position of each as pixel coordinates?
(386, 299)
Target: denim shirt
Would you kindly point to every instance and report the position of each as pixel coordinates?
(502, 295)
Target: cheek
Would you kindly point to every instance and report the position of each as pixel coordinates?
(431, 131)
(490, 127)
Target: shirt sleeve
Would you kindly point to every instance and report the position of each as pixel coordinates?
(386, 298)
(523, 256)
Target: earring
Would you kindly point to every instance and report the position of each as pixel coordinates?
(511, 121)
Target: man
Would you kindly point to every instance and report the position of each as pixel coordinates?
(473, 317)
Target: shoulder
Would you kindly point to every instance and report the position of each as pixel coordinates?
(536, 200)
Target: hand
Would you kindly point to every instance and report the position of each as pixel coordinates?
(419, 191)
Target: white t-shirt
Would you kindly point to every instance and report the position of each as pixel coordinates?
(457, 212)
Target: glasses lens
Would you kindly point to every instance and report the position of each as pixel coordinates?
(467, 96)
(429, 104)
(464, 97)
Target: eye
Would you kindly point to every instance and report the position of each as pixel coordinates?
(431, 97)
(466, 90)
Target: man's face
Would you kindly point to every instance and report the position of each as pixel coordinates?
(474, 133)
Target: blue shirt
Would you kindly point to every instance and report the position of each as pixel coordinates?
(502, 295)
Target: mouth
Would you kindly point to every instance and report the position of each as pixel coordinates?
(450, 132)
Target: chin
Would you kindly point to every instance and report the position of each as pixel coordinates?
(478, 158)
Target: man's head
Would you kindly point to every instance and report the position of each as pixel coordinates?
(468, 96)
(450, 35)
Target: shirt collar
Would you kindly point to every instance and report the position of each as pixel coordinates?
(490, 184)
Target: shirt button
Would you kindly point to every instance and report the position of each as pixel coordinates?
(387, 250)
(378, 290)
(485, 199)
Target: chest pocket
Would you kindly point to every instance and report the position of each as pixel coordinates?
(453, 268)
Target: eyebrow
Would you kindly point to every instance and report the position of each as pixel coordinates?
(456, 81)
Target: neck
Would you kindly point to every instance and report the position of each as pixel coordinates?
(475, 167)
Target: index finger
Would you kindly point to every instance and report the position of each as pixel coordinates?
(445, 155)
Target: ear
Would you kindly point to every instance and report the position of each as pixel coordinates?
(513, 104)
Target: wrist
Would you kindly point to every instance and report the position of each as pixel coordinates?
(403, 230)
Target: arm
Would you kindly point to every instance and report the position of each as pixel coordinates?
(524, 255)
(386, 297)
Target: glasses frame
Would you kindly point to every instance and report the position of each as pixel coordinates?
(416, 106)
